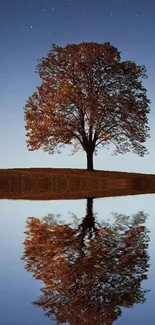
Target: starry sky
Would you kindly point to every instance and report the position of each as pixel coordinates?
(27, 30)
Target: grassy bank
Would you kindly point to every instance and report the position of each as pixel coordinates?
(67, 183)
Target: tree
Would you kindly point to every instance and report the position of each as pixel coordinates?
(88, 98)
(89, 269)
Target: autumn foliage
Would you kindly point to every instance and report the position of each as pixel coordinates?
(89, 269)
(88, 98)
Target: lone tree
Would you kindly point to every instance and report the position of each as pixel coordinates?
(88, 98)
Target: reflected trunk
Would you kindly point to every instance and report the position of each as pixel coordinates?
(88, 227)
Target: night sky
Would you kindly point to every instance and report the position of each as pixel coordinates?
(27, 30)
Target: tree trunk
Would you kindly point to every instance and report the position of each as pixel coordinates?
(89, 160)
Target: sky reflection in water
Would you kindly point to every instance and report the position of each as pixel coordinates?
(100, 266)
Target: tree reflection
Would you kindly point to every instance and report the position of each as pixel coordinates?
(89, 269)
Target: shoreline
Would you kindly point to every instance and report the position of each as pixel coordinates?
(68, 170)
(69, 183)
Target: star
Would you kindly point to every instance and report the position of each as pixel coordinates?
(48, 31)
(71, 9)
(111, 14)
(6, 8)
(31, 27)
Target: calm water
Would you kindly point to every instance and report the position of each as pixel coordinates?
(99, 270)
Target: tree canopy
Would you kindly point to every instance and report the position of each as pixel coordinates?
(89, 269)
(88, 98)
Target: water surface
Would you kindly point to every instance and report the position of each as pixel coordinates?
(19, 289)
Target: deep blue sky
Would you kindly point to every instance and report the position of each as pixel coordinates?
(27, 30)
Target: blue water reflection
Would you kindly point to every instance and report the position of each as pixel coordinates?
(19, 288)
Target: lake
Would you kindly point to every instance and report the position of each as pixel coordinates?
(87, 262)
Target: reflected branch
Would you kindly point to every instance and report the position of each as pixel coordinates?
(89, 269)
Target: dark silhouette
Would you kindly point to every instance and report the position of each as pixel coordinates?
(90, 269)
